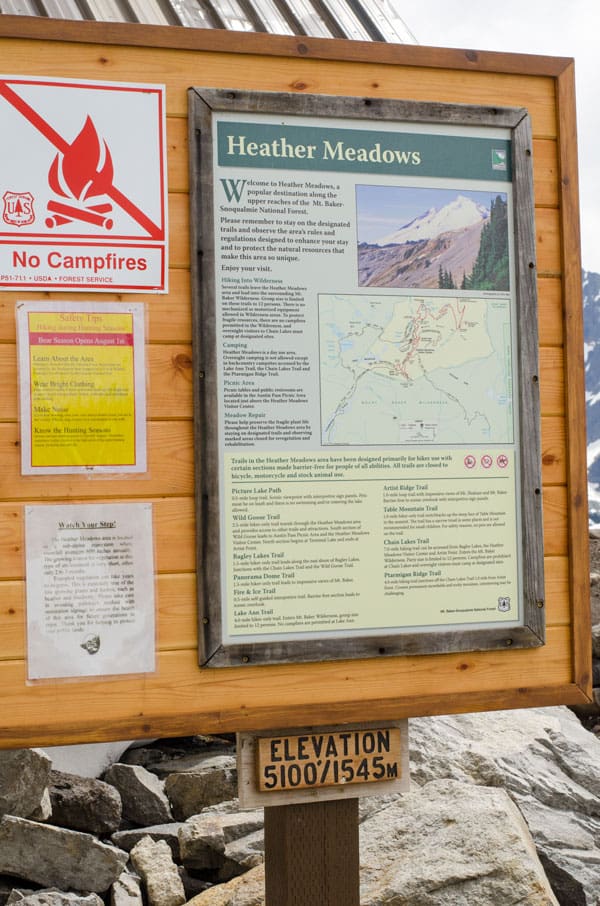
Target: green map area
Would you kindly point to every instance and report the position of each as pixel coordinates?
(415, 370)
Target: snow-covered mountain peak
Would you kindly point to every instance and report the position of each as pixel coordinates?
(456, 215)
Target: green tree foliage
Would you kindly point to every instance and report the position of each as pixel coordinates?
(490, 270)
(445, 279)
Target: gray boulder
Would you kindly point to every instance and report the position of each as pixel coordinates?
(170, 756)
(215, 839)
(55, 857)
(126, 891)
(52, 897)
(142, 794)
(154, 863)
(247, 890)
(547, 762)
(450, 844)
(83, 803)
(242, 854)
(127, 839)
(213, 780)
(24, 777)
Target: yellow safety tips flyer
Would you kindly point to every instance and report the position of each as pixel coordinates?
(82, 387)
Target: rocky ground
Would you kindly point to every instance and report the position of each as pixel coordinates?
(504, 809)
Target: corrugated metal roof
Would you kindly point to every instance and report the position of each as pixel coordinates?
(369, 20)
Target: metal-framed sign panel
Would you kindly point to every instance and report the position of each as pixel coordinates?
(241, 621)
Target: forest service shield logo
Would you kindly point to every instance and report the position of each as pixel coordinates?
(18, 208)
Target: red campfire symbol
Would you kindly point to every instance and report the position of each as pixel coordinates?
(82, 173)
(87, 178)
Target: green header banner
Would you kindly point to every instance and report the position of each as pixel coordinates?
(269, 146)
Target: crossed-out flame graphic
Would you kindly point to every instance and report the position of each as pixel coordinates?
(83, 172)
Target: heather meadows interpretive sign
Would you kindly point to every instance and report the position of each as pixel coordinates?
(367, 410)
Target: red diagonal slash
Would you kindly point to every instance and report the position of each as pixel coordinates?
(61, 145)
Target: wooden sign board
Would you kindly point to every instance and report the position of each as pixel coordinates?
(322, 763)
(181, 697)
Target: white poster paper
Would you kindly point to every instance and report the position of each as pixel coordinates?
(90, 590)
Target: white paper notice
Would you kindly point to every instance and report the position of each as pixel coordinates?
(90, 590)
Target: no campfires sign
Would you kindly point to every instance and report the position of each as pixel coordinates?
(83, 185)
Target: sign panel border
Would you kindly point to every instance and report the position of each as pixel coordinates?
(203, 104)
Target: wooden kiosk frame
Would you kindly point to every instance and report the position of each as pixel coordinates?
(182, 698)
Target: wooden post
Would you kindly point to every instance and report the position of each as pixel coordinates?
(311, 854)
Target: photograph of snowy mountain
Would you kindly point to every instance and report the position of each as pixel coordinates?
(432, 238)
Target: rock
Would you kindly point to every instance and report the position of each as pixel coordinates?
(83, 803)
(247, 890)
(126, 891)
(154, 863)
(243, 854)
(24, 777)
(596, 641)
(191, 884)
(55, 857)
(594, 578)
(204, 839)
(211, 782)
(52, 897)
(142, 794)
(44, 810)
(201, 843)
(543, 757)
(451, 844)
(127, 839)
(568, 891)
(173, 756)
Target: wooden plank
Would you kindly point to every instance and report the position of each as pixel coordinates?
(170, 379)
(252, 43)
(312, 854)
(179, 231)
(557, 603)
(550, 311)
(532, 552)
(305, 75)
(548, 234)
(174, 528)
(554, 450)
(554, 504)
(243, 697)
(574, 381)
(545, 173)
(552, 381)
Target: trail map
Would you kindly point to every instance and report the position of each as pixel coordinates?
(415, 369)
